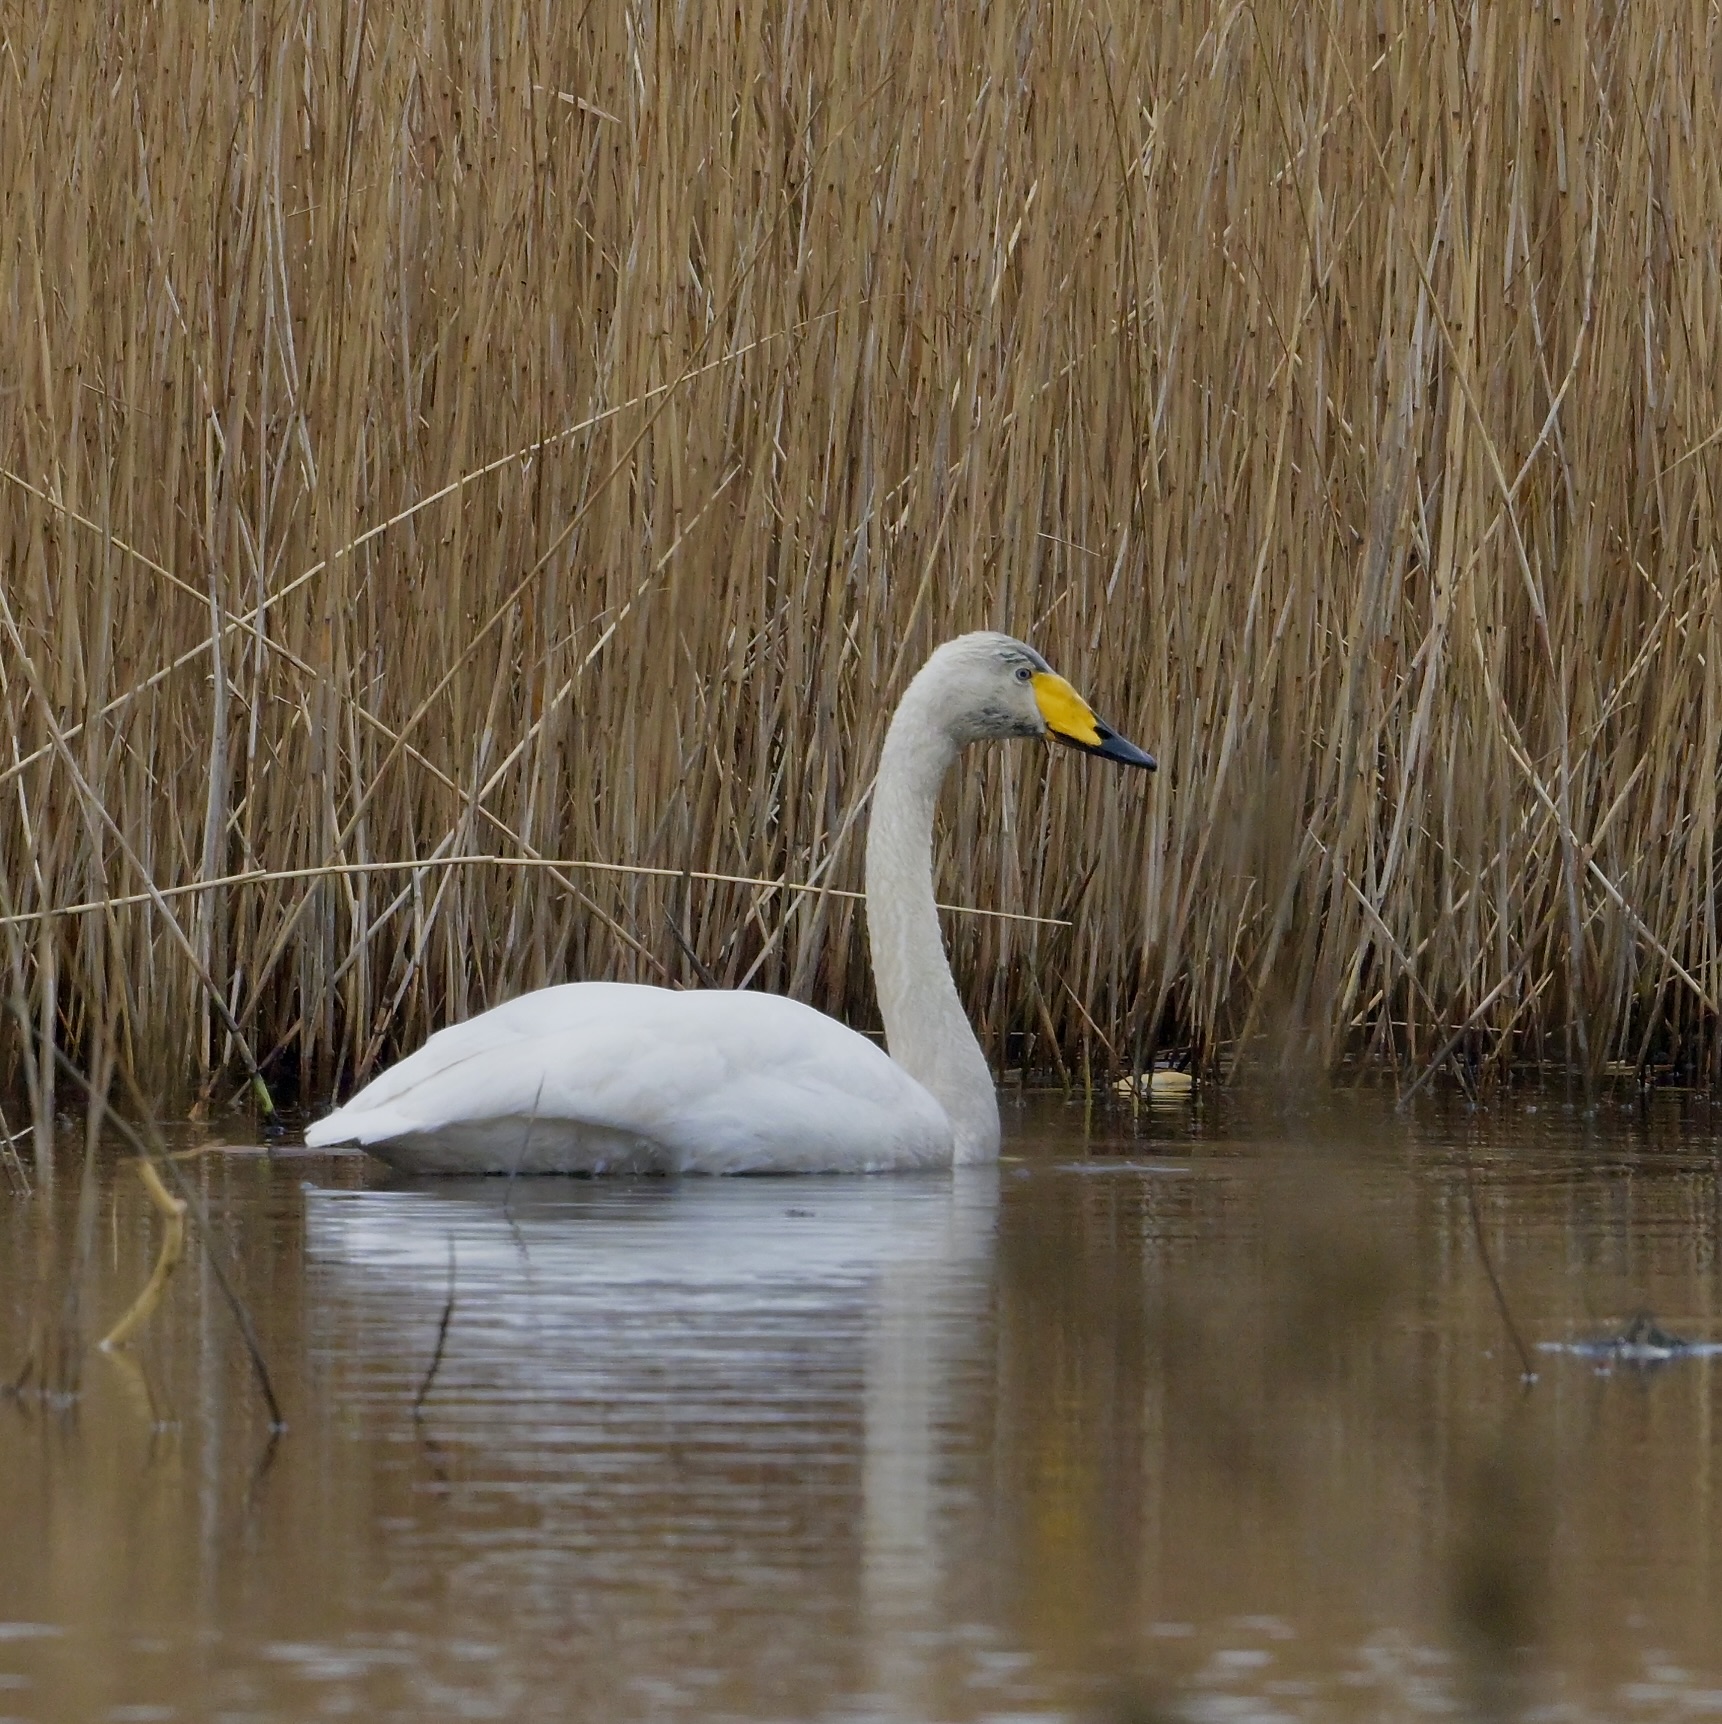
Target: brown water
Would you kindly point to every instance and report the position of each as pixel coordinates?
(1211, 1415)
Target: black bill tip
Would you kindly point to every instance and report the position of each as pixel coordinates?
(1112, 746)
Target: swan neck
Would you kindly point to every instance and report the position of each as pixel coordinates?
(926, 1029)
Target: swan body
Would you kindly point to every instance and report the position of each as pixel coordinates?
(610, 1077)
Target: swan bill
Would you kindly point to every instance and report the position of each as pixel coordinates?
(1070, 718)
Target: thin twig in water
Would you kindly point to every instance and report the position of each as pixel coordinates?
(1527, 1368)
(441, 1338)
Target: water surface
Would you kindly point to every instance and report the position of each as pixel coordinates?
(1210, 1412)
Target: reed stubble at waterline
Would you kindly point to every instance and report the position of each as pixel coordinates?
(547, 449)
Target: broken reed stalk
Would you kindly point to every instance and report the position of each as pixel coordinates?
(172, 1211)
(157, 1161)
(576, 463)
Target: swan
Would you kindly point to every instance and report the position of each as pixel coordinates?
(614, 1077)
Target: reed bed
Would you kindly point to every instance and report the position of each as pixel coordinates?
(536, 443)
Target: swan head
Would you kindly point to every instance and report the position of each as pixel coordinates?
(988, 687)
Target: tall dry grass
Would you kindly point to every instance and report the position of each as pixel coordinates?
(543, 433)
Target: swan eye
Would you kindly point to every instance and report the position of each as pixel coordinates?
(1024, 674)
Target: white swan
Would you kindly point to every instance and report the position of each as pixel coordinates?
(609, 1077)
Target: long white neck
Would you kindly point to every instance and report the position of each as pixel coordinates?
(926, 1029)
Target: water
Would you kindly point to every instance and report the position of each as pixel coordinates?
(1209, 1414)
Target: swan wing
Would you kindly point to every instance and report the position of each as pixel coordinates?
(607, 1076)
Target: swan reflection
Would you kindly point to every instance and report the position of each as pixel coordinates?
(734, 1391)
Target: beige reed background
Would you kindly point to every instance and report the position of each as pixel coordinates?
(556, 433)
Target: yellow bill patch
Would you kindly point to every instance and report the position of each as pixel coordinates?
(1064, 710)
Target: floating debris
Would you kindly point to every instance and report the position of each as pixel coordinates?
(1165, 1084)
(1642, 1343)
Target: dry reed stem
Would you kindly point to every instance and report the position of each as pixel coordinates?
(431, 864)
(402, 460)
